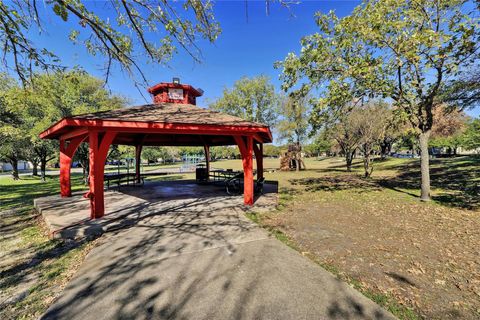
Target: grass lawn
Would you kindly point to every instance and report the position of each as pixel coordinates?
(419, 260)
(33, 269)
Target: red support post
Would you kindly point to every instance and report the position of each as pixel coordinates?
(206, 148)
(138, 159)
(98, 149)
(258, 149)
(245, 144)
(66, 156)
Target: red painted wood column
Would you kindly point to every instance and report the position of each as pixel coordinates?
(66, 156)
(98, 150)
(245, 144)
(258, 149)
(138, 159)
(206, 148)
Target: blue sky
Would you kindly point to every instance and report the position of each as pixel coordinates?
(245, 47)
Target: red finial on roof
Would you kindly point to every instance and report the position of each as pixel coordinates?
(174, 92)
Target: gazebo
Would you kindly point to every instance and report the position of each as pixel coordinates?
(172, 120)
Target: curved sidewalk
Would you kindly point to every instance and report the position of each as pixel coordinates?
(204, 260)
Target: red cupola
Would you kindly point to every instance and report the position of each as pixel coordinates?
(174, 92)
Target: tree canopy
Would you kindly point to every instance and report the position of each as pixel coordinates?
(472, 135)
(32, 109)
(253, 99)
(293, 125)
(121, 40)
(401, 50)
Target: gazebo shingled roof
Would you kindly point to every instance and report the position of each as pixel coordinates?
(173, 120)
(170, 113)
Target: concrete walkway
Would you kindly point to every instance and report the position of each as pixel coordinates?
(204, 260)
(69, 218)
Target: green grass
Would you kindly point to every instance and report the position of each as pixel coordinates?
(53, 274)
(20, 193)
(36, 267)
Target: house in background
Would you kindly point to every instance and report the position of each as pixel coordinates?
(22, 165)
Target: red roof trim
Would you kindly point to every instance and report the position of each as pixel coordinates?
(155, 127)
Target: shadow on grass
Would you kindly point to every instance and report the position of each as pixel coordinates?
(456, 181)
(20, 272)
(337, 183)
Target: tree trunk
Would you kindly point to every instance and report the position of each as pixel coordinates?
(385, 149)
(43, 168)
(349, 159)
(366, 161)
(14, 163)
(302, 164)
(34, 168)
(425, 166)
(85, 176)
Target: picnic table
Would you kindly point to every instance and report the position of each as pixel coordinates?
(221, 175)
(129, 178)
(233, 180)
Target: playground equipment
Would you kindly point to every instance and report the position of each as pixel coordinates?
(292, 159)
(191, 162)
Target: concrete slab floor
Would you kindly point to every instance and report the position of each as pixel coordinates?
(204, 260)
(70, 217)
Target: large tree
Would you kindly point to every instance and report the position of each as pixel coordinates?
(293, 124)
(404, 50)
(51, 97)
(121, 37)
(345, 133)
(253, 99)
(322, 143)
(13, 146)
(361, 129)
(14, 141)
(371, 122)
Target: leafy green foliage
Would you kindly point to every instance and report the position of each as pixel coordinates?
(50, 97)
(398, 49)
(403, 50)
(272, 151)
(224, 152)
(293, 125)
(154, 154)
(471, 136)
(253, 99)
(120, 40)
(322, 143)
(14, 141)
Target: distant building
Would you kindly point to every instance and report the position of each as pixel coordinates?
(22, 165)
